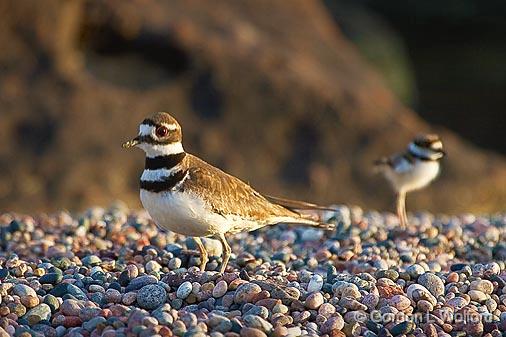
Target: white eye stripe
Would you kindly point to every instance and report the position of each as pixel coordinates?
(171, 127)
(437, 145)
(146, 129)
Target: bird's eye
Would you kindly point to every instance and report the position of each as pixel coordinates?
(162, 131)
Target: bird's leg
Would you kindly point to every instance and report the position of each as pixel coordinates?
(401, 209)
(203, 253)
(226, 251)
(404, 214)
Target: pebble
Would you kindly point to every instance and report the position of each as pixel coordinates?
(314, 301)
(485, 286)
(41, 312)
(477, 295)
(93, 323)
(140, 282)
(151, 296)
(294, 331)
(220, 289)
(433, 283)
(91, 260)
(257, 322)
(315, 283)
(52, 301)
(184, 290)
(403, 328)
(246, 292)
(399, 302)
(63, 289)
(415, 271)
(71, 307)
(51, 278)
(416, 292)
(252, 332)
(333, 323)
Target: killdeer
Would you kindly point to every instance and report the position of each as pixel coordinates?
(413, 169)
(186, 195)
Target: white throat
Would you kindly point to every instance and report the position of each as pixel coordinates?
(155, 150)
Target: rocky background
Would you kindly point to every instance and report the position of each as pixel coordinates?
(295, 97)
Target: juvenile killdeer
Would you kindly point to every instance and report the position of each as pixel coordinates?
(186, 195)
(413, 169)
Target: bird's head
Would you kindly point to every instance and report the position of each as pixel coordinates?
(429, 146)
(159, 135)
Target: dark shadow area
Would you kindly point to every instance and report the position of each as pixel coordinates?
(36, 135)
(305, 142)
(143, 62)
(205, 98)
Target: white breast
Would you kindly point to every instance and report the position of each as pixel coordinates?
(417, 175)
(185, 213)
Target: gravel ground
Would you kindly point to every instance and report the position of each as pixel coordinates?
(111, 272)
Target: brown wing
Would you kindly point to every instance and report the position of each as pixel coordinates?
(228, 195)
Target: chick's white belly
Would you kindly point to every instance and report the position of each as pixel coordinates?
(184, 213)
(419, 176)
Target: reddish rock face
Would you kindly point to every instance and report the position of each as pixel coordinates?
(270, 92)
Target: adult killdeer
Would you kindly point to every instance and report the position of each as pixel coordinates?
(186, 195)
(413, 169)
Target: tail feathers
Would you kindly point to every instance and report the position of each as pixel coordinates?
(383, 161)
(295, 205)
(311, 223)
(308, 214)
(382, 164)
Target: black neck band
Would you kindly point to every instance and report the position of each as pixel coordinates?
(164, 185)
(420, 157)
(166, 162)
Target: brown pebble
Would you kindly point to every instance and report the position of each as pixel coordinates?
(447, 327)
(323, 255)
(334, 323)
(252, 332)
(424, 306)
(269, 303)
(314, 300)
(389, 291)
(4, 311)
(279, 331)
(233, 285)
(337, 333)
(72, 321)
(281, 319)
(246, 292)
(165, 331)
(231, 334)
(29, 301)
(430, 330)
(452, 277)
